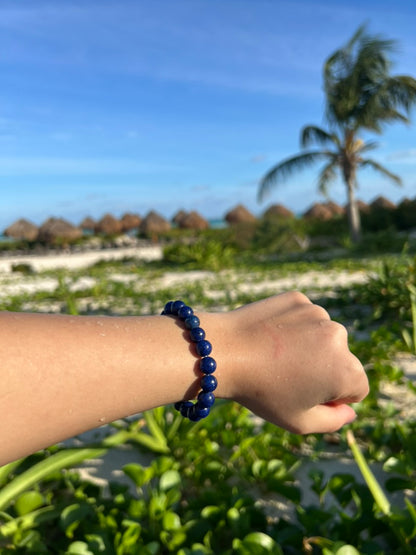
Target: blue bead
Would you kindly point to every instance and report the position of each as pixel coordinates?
(192, 322)
(193, 415)
(184, 312)
(176, 306)
(200, 411)
(168, 308)
(186, 406)
(206, 399)
(203, 348)
(207, 365)
(197, 334)
(208, 383)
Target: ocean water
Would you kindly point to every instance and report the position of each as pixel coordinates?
(217, 223)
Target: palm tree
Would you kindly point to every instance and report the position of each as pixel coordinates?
(360, 95)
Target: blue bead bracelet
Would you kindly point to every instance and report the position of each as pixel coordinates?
(207, 365)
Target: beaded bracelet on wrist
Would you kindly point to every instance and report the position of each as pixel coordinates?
(205, 400)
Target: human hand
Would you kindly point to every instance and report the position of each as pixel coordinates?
(290, 364)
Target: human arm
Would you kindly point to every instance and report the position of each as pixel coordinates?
(283, 358)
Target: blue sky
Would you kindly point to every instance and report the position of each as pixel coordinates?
(131, 105)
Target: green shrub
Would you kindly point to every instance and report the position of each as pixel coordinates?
(202, 255)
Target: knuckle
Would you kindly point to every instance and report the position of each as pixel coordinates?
(299, 298)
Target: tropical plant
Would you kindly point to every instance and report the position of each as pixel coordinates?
(361, 94)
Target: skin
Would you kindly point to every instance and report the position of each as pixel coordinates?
(283, 358)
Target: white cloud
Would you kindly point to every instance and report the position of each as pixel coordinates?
(407, 156)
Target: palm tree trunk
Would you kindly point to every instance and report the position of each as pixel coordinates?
(353, 213)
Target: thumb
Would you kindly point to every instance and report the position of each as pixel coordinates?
(329, 417)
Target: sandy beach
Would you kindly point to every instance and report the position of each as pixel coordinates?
(77, 260)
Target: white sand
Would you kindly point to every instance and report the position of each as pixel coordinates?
(74, 261)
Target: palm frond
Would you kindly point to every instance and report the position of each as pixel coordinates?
(327, 174)
(369, 145)
(381, 169)
(312, 134)
(279, 173)
(360, 92)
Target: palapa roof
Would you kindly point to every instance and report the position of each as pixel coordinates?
(130, 221)
(154, 223)
(193, 220)
(318, 211)
(382, 202)
(239, 214)
(179, 216)
(109, 225)
(336, 209)
(22, 229)
(88, 223)
(278, 211)
(54, 229)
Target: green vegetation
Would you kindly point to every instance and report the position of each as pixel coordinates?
(233, 484)
(360, 95)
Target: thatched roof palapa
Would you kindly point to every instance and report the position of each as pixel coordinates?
(382, 202)
(154, 223)
(336, 209)
(278, 211)
(318, 211)
(88, 224)
(55, 229)
(239, 214)
(109, 225)
(178, 217)
(22, 229)
(130, 221)
(193, 220)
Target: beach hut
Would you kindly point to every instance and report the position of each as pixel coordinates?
(193, 220)
(154, 224)
(318, 211)
(278, 212)
(22, 229)
(178, 217)
(57, 229)
(383, 203)
(108, 225)
(239, 214)
(130, 221)
(88, 224)
(336, 209)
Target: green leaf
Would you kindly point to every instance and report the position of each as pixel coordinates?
(78, 548)
(257, 543)
(30, 520)
(28, 502)
(210, 511)
(259, 538)
(412, 509)
(7, 469)
(171, 521)
(169, 479)
(154, 428)
(41, 470)
(150, 442)
(72, 515)
(138, 473)
(347, 550)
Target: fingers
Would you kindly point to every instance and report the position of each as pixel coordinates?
(326, 418)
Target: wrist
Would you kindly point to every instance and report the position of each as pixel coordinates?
(219, 329)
